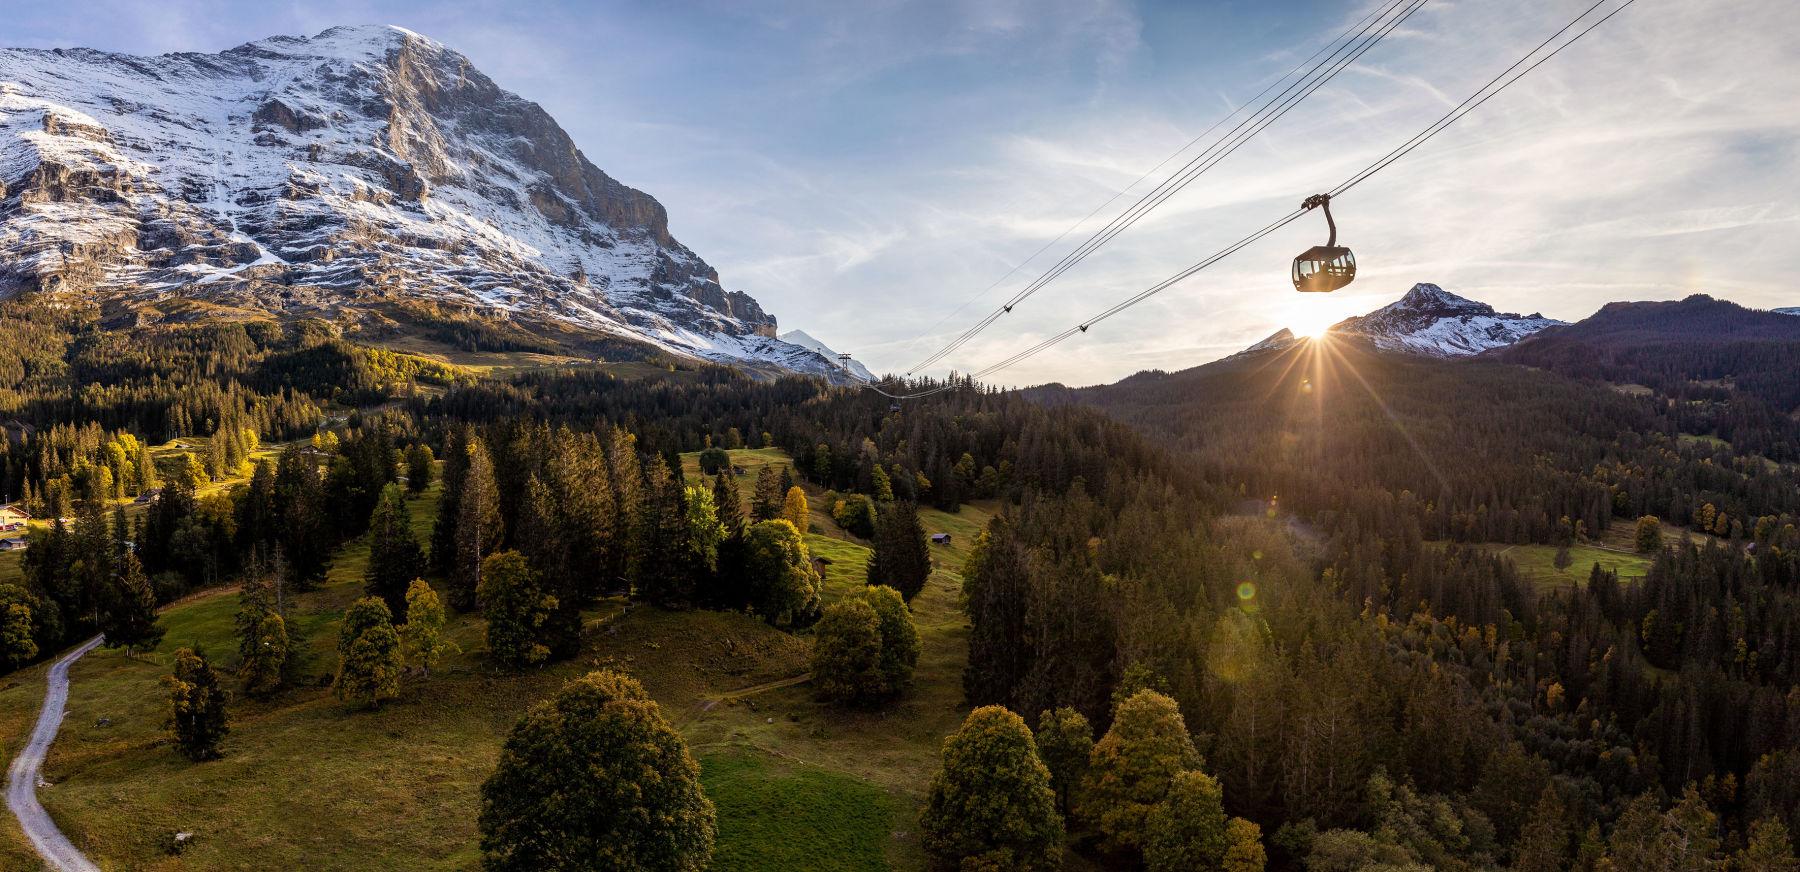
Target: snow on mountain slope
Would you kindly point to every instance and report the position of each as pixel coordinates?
(806, 340)
(1430, 320)
(323, 175)
(1788, 310)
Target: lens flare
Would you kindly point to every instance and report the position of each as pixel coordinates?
(1247, 591)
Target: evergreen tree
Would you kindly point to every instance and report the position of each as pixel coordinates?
(661, 568)
(443, 531)
(516, 608)
(422, 636)
(592, 547)
(880, 485)
(1544, 841)
(1132, 766)
(261, 629)
(725, 589)
(306, 532)
(478, 525)
(419, 463)
(1769, 850)
(395, 558)
(1065, 741)
(265, 661)
(991, 799)
(259, 519)
(765, 500)
(196, 705)
(996, 582)
(368, 654)
(902, 557)
(130, 620)
(594, 780)
(1187, 829)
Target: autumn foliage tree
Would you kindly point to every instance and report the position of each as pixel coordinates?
(1133, 765)
(991, 804)
(595, 779)
(368, 654)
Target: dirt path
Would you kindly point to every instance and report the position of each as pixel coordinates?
(27, 769)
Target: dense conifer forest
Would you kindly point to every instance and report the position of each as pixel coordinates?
(1244, 615)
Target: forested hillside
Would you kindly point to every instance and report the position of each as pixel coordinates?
(1247, 615)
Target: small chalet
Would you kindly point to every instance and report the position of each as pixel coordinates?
(940, 538)
(819, 564)
(14, 545)
(13, 518)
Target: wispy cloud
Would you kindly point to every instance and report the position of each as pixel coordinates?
(866, 168)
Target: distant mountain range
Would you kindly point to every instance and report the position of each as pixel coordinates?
(369, 176)
(1431, 321)
(805, 340)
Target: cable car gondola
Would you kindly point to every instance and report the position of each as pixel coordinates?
(1327, 267)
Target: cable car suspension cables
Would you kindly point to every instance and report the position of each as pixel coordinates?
(1388, 18)
(1488, 91)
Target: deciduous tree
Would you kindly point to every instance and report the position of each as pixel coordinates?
(991, 799)
(594, 779)
(368, 654)
(422, 636)
(1133, 765)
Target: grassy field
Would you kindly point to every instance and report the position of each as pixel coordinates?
(1537, 564)
(307, 783)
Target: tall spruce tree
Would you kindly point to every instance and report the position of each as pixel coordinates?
(196, 706)
(443, 532)
(130, 619)
(395, 558)
(478, 525)
(902, 556)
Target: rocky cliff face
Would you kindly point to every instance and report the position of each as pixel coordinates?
(321, 175)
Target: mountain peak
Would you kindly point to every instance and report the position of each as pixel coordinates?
(1425, 295)
(1430, 320)
(347, 173)
(1279, 339)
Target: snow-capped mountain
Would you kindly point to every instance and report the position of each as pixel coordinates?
(806, 340)
(1430, 320)
(333, 175)
(1278, 340)
(1788, 310)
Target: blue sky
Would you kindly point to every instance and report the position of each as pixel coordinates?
(865, 168)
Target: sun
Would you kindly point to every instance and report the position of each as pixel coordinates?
(1310, 324)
